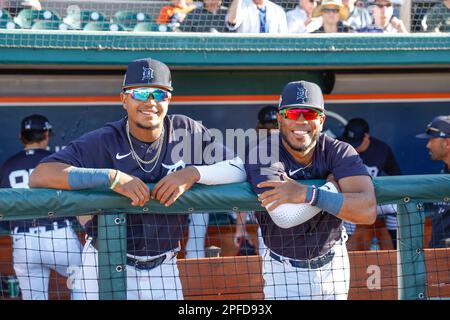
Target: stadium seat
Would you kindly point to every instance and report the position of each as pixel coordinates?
(146, 27)
(5, 24)
(6, 20)
(129, 19)
(46, 25)
(103, 26)
(27, 17)
(78, 20)
(5, 15)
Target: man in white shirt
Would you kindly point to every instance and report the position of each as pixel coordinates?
(300, 19)
(256, 16)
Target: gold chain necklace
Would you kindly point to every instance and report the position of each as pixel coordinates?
(138, 159)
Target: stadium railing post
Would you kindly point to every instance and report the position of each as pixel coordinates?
(411, 268)
(112, 256)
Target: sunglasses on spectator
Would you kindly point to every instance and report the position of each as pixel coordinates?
(142, 94)
(330, 10)
(295, 113)
(381, 5)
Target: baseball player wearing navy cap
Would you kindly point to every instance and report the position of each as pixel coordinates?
(438, 134)
(39, 245)
(306, 255)
(125, 155)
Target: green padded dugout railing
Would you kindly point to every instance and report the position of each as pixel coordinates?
(408, 191)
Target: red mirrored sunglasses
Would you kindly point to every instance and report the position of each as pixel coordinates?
(294, 113)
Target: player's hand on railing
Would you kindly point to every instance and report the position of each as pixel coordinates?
(172, 186)
(131, 187)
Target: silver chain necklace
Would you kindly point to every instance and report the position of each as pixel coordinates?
(138, 159)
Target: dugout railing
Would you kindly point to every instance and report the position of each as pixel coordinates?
(409, 192)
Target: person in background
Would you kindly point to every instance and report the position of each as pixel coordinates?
(437, 19)
(209, 18)
(39, 245)
(172, 16)
(256, 16)
(438, 134)
(359, 16)
(333, 13)
(300, 19)
(379, 160)
(384, 19)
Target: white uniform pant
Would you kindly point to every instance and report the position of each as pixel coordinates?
(37, 252)
(330, 282)
(198, 227)
(160, 283)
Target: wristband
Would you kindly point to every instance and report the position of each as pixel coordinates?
(86, 178)
(329, 201)
(311, 194)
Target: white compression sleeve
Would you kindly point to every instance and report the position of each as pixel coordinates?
(289, 215)
(227, 171)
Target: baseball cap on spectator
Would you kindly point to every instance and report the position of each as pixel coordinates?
(301, 94)
(147, 73)
(35, 122)
(439, 127)
(355, 131)
(268, 114)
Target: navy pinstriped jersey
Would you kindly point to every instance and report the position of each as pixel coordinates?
(108, 147)
(316, 236)
(15, 173)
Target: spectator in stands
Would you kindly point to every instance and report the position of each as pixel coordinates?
(14, 6)
(437, 19)
(333, 13)
(359, 16)
(379, 160)
(172, 16)
(438, 135)
(384, 19)
(256, 16)
(209, 18)
(300, 19)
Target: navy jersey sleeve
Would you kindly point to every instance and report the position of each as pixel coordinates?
(85, 152)
(345, 161)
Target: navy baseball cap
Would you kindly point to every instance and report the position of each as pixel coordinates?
(268, 114)
(355, 131)
(301, 94)
(439, 127)
(35, 122)
(147, 73)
